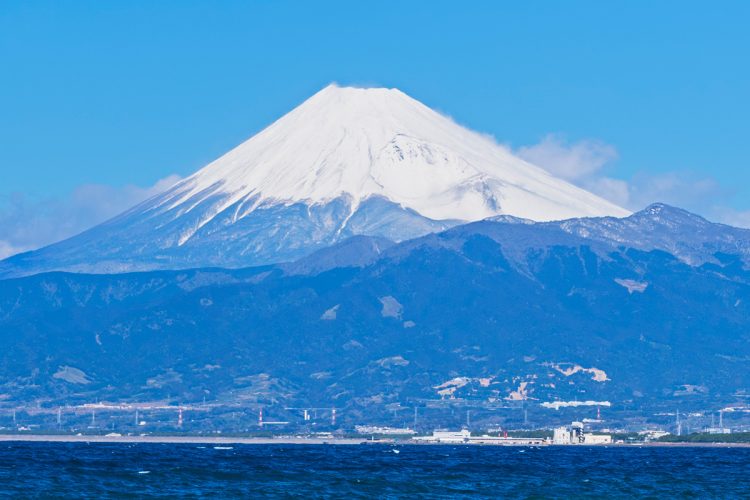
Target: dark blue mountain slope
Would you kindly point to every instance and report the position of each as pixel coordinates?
(492, 313)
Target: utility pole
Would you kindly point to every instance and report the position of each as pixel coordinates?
(416, 415)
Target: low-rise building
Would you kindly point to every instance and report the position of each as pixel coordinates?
(465, 437)
(719, 430)
(444, 436)
(590, 438)
(574, 434)
(384, 431)
(561, 435)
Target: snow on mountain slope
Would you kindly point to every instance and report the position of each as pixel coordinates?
(365, 142)
(347, 161)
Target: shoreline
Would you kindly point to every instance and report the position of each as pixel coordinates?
(221, 440)
(156, 439)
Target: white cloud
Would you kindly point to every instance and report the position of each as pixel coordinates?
(586, 163)
(27, 224)
(6, 249)
(737, 218)
(571, 161)
(615, 190)
(683, 189)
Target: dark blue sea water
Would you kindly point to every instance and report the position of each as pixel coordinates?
(78, 470)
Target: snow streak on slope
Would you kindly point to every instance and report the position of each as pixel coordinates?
(365, 142)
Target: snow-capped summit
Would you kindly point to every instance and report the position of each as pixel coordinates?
(363, 142)
(347, 161)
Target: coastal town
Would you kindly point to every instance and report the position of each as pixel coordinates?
(104, 422)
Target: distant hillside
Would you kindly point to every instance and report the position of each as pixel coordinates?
(493, 312)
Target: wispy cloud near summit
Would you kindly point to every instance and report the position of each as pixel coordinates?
(571, 161)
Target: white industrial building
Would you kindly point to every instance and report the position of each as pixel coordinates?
(574, 434)
(384, 431)
(443, 436)
(465, 437)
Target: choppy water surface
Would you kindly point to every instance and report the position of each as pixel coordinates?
(312, 471)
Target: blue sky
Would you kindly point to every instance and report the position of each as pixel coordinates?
(100, 101)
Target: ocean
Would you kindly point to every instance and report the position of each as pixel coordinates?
(100, 470)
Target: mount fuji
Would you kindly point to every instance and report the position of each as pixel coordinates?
(347, 161)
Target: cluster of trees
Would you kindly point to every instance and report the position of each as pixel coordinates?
(704, 437)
